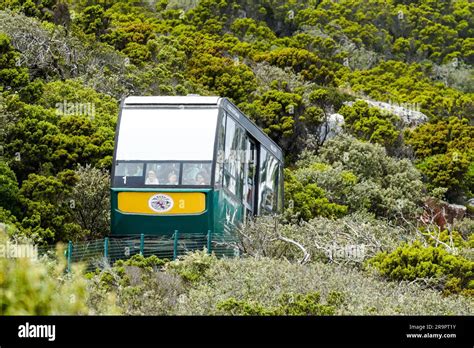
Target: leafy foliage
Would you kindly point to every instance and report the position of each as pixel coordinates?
(290, 66)
(309, 200)
(369, 123)
(362, 177)
(410, 262)
(290, 304)
(265, 281)
(445, 154)
(193, 267)
(90, 202)
(39, 287)
(8, 188)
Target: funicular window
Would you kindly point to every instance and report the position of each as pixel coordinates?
(220, 151)
(165, 146)
(129, 169)
(269, 168)
(196, 173)
(167, 134)
(162, 174)
(280, 188)
(249, 172)
(233, 157)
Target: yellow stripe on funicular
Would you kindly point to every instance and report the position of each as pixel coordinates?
(183, 202)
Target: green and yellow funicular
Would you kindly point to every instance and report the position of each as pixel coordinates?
(191, 164)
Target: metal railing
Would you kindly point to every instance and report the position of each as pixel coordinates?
(95, 253)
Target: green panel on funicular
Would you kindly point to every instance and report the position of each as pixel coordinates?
(222, 214)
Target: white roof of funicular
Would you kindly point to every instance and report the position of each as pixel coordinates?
(172, 100)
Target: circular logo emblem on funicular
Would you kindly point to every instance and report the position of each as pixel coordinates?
(160, 203)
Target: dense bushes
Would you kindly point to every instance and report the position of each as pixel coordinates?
(289, 304)
(369, 123)
(362, 177)
(8, 188)
(453, 274)
(258, 284)
(444, 151)
(39, 287)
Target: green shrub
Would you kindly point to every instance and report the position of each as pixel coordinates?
(40, 287)
(309, 200)
(138, 286)
(261, 283)
(360, 176)
(235, 307)
(142, 261)
(289, 304)
(193, 266)
(453, 274)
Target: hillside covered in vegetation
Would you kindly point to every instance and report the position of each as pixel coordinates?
(371, 101)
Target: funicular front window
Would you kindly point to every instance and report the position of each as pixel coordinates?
(165, 146)
(145, 174)
(167, 134)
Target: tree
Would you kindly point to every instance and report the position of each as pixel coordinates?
(308, 200)
(302, 61)
(43, 9)
(90, 201)
(46, 202)
(363, 177)
(222, 76)
(94, 21)
(444, 151)
(8, 188)
(12, 75)
(370, 124)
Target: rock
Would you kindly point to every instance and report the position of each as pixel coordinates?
(408, 113)
(470, 202)
(332, 127)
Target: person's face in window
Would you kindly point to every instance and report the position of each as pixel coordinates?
(173, 179)
(151, 175)
(200, 180)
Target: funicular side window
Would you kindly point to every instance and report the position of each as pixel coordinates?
(220, 151)
(280, 188)
(249, 173)
(233, 157)
(269, 168)
(129, 169)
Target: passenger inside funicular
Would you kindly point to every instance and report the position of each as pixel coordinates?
(151, 178)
